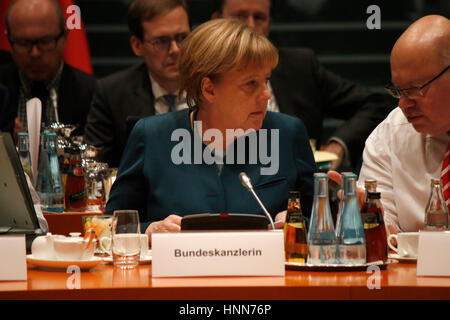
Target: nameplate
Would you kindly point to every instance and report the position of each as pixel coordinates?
(226, 253)
(14, 260)
(433, 254)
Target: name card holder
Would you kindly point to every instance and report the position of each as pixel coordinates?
(224, 253)
(14, 261)
(434, 254)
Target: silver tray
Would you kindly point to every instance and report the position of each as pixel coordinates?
(337, 267)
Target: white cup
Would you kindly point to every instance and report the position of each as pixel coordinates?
(104, 244)
(407, 244)
(144, 245)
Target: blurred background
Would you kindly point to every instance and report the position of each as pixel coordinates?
(335, 30)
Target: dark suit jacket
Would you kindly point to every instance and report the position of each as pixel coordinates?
(4, 96)
(305, 89)
(120, 99)
(76, 89)
(149, 181)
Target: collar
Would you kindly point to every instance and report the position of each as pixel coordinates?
(159, 91)
(49, 84)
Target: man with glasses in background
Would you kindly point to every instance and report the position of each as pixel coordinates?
(157, 29)
(37, 35)
(411, 146)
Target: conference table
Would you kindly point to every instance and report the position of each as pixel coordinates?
(104, 281)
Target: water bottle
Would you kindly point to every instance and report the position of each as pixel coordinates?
(321, 235)
(436, 212)
(344, 176)
(49, 184)
(351, 241)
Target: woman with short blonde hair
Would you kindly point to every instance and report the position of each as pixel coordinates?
(166, 171)
(219, 46)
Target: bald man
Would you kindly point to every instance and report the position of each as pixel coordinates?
(37, 35)
(408, 148)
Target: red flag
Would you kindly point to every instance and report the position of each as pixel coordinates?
(4, 43)
(76, 52)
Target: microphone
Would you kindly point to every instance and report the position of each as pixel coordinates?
(54, 99)
(245, 180)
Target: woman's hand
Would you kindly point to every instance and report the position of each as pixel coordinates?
(280, 218)
(170, 224)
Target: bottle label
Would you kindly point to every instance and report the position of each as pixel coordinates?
(372, 219)
(77, 196)
(296, 224)
(294, 217)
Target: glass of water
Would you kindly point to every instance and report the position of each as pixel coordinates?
(126, 243)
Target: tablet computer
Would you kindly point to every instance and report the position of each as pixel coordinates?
(17, 213)
(224, 221)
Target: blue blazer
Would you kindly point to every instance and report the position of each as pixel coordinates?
(150, 182)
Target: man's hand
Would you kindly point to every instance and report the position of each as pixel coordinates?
(336, 177)
(170, 224)
(338, 150)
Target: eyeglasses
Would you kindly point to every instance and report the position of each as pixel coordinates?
(163, 44)
(410, 93)
(43, 44)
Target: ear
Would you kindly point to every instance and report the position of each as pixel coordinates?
(136, 45)
(208, 89)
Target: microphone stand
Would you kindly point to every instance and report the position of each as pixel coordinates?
(245, 180)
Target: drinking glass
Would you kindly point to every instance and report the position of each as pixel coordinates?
(126, 243)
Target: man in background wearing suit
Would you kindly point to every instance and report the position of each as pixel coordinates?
(157, 28)
(303, 88)
(37, 34)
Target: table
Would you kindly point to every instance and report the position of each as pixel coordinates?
(398, 281)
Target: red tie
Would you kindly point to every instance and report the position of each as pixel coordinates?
(445, 177)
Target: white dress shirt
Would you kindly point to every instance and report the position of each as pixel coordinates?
(160, 103)
(403, 162)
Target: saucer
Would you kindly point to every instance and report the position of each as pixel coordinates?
(337, 267)
(402, 259)
(63, 265)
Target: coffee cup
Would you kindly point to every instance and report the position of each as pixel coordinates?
(104, 243)
(144, 245)
(407, 244)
